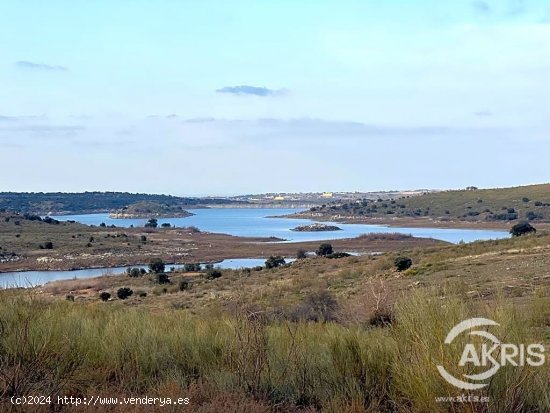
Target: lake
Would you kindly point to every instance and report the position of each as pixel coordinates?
(253, 222)
(244, 222)
(32, 278)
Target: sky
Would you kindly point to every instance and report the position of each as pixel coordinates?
(218, 98)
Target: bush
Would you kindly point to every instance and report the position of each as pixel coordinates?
(69, 297)
(403, 263)
(143, 238)
(336, 255)
(320, 306)
(213, 273)
(134, 272)
(124, 292)
(301, 254)
(324, 250)
(274, 262)
(156, 265)
(166, 225)
(152, 223)
(522, 228)
(183, 285)
(192, 267)
(525, 199)
(104, 296)
(162, 278)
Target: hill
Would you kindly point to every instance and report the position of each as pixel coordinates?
(45, 203)
(474, 205)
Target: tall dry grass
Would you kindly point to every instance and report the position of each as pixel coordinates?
(69, 348)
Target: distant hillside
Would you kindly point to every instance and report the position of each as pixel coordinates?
(501, 204)
(93, 202)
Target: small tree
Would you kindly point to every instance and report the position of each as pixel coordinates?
(124, 292)
(522, 228)
(152, 223)
(324, 249)
(156, 265)
(162, 278)
(104, 296)
(212, 273)
(274, 262)
(183, 285)
(134, 272)
(403, 263)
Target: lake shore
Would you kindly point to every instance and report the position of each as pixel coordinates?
(418, 222)
(178, 247)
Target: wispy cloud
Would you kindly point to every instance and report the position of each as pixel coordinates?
(517, 7)
(250, 90)
(483, 113)
(7, 118)
(481, 6)
(25, 64)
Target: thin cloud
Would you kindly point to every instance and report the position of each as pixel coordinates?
(481, 6)
(7, 118)
(483, 113)
(24, 64)
(250, 90)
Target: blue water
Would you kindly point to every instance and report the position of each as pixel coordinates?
(34, 278)
(253, 222)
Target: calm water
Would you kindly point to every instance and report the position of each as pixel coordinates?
(31, 278)
(252, 222)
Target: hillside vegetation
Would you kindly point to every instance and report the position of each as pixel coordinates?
(502, 204)
(46, 203)
(347, 335)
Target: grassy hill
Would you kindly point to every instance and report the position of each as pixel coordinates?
(90, 202)
(530, 202)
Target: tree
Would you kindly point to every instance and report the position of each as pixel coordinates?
(166, 225)
(156, 265)
(522, 228)
(104, 296)
(124, 292)
(134, 272)
(162, 278)
(324, 249)
(212, 273)
(403, 263)
(274, 261)
(152, 223)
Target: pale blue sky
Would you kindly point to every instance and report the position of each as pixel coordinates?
(215, 97)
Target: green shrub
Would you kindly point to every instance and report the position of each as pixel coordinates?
(104, 296)
(403, 263)
(275, 261)
(124, 292)
(522, 228)
(324, 249)
(162, 278)
(156, 265)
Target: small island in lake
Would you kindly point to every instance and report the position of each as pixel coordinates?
(148, 209)
(316, 227)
